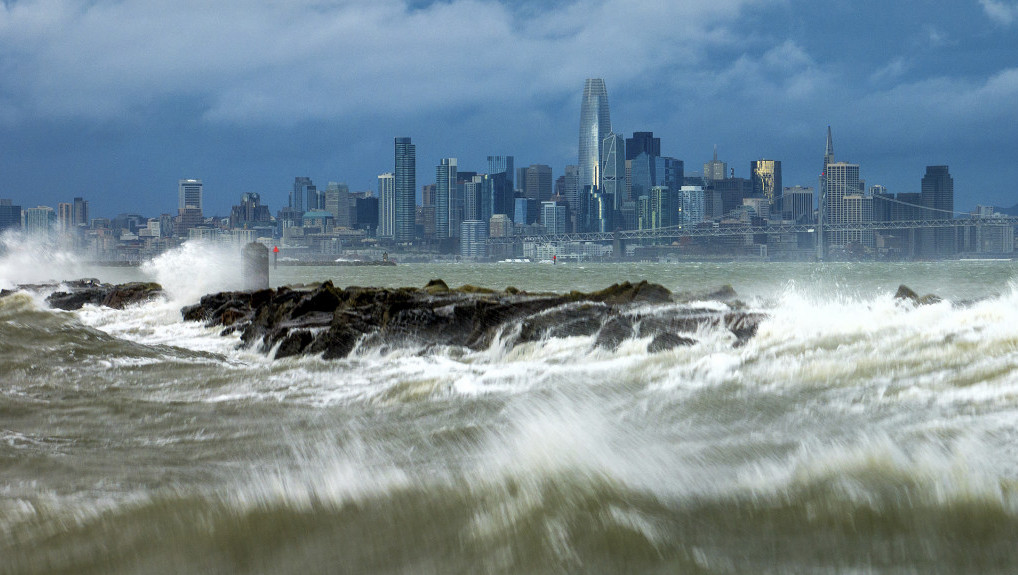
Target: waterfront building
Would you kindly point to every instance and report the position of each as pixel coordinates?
(405, 190)
(387, 205)
(189, 195)
(766, 178)
(474, 239)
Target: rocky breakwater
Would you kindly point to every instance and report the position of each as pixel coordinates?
(331, 321)
(75, 294)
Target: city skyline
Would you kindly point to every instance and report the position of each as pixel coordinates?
(153, 105)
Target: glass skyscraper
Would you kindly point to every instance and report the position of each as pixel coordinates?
(595, 125)
(445, 192)
(405, 200)
(766, 176)
(613, 169)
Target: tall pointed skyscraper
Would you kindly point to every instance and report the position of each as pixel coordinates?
(595, 125)
(829, 152)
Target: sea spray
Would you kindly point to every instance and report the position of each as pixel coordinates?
(26, 259)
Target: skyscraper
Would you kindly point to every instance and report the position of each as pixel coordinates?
(613, 169)
(189, 195)
(301, 185)
(445, 194)
(79, 216)
(537, 185)
(502, 164)
(715, 170)
(766, 176)
(336, 201)
(595, 125)
(842, 180)
(405, 199)
(643, 142)
(938, 204)
(386, 205)
(10, 215)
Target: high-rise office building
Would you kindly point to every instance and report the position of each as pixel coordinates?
(537, 185)
(502, 165)
(797, 204)
(595, 125)
(715, 170)
(613, 170)
(766, 177)
(336, 201)
(189, 195)
(301, 188)
(445, 197)
(79, 216)
(10, 215)
(65, 211)
(554, 218)
(38, 221)
(386, 205)
(405, 200)
(937, 198)
(691, 205)
(643, 142)
(842, 180)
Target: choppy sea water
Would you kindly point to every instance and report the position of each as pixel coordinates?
(853, 434)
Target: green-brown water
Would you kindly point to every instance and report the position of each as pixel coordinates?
(853, 434)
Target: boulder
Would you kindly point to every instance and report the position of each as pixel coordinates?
(323, 319)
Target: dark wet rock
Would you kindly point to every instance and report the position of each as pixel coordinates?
(89, 291)
(666, 341)
(436, 286)
(330, 321)
(907, 294)
(615, 330)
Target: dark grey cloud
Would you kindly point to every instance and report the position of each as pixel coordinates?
(135, 94)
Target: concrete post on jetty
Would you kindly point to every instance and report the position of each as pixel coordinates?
(256, 266)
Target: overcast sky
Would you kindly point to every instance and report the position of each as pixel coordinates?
(117, 100)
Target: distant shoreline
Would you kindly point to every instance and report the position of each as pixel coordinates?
(134, 264)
